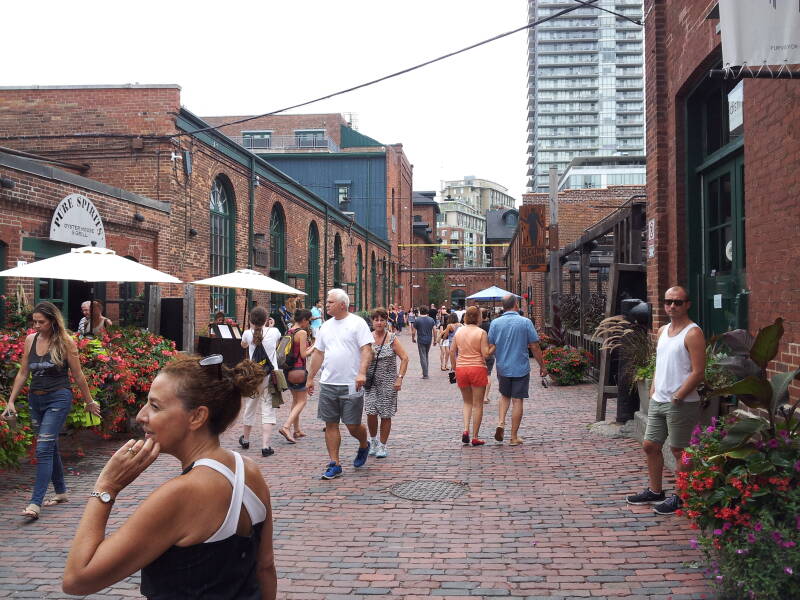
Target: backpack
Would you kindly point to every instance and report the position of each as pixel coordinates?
(260, 357)
(284, 349)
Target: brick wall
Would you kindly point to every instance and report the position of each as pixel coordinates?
(110, 143)
(680, 46)
(283, 124)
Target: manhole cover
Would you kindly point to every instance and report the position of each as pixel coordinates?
(429, 489)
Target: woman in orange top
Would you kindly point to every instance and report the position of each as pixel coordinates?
(468, 353)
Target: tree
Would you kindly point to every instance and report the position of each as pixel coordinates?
(436, 294)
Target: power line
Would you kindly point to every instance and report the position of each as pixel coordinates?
(397, 73)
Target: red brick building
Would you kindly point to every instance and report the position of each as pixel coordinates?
(578, 209)
(723, 195)
(207, 205)
(352, 172)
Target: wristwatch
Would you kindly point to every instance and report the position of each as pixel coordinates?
(104, 497)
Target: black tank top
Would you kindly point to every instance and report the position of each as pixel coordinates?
(45, 374)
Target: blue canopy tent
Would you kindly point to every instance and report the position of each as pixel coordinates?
(490, 294)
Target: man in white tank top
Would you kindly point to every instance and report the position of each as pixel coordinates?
(674, 409)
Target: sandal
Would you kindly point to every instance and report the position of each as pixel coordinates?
(287, 435)
(56, 499)
(31, 512)
(299, 434)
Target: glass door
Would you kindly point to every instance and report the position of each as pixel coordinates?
(723, 248)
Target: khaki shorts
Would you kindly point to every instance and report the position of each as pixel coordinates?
(669, 420)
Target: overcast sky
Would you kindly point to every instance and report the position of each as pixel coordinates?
(463, 116)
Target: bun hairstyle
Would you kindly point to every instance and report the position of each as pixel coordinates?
(197, 386)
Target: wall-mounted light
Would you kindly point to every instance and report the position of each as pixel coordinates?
(7, 183)
(139, 217)
(192, 232)
(256, 181)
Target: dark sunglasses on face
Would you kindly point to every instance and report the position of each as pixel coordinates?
(675, 302)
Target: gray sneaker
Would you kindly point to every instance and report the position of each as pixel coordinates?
(668, 506)
(373, 446)
(382, 451)
(648, 496)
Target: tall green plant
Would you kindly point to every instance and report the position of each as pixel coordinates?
(436, 293)
(766, 414)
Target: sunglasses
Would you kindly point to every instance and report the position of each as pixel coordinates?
(210, 361)
(675, 302)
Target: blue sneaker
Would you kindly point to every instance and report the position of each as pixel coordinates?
(333, 471)
(361, 457)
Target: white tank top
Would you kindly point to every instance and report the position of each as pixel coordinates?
(242, 495)
(673, 365)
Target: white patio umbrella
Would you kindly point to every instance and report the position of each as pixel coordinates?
(93, 265)
(248, 279)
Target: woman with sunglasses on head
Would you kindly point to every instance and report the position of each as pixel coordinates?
(50, 356)
(97, 323)
(206, 533)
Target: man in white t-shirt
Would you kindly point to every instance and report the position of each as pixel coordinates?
(343, 348)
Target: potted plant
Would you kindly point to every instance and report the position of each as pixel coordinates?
(636, 354)
(743, 489)
(566, 365)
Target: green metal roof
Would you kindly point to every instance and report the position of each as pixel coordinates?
(353, 139)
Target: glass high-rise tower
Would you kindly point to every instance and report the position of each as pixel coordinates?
(585, 85)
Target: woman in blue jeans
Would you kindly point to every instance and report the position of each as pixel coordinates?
(50, 354)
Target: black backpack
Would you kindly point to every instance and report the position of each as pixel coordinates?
(260, 357)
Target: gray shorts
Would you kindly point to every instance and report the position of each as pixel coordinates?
(666, 420)
(336, 403)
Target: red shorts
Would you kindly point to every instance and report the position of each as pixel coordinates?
(472, 377)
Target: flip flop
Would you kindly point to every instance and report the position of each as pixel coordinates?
(31, 512)
(287, 435)
(57, 499)
(516, 442)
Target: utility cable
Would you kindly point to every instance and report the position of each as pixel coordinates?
(397, 73)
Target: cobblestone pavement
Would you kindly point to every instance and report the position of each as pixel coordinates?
(543, 520)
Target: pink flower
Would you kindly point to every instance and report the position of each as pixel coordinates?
(788, 570)
(693, 543)
(718, 532)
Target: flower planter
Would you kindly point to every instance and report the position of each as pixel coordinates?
(644, 395)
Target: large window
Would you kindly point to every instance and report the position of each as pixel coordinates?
(359, 279)
(313, 265)
(221, 255)
(310, 138)
(338, 260)
(277, 243)
(373, 280)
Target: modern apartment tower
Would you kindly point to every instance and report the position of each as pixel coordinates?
(585, 85)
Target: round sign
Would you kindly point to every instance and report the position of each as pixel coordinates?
(76, 220)
(729, 250)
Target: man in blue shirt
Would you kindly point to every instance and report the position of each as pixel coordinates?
(510, 336)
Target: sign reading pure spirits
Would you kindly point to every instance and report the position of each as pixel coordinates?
(77, 221)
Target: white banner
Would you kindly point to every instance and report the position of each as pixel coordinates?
(760, 32)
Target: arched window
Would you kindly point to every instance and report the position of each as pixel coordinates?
(373, 284)
(277, 243)
(221, 255)
(313, 265)
(359, 279)
(338, 259)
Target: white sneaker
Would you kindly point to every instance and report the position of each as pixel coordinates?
(373, 446)
(382, 451)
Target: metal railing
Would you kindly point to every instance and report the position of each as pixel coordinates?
(287, 143)
(575, 338)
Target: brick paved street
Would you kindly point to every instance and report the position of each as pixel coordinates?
(542, 520)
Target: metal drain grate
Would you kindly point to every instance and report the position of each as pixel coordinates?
(432, 490)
